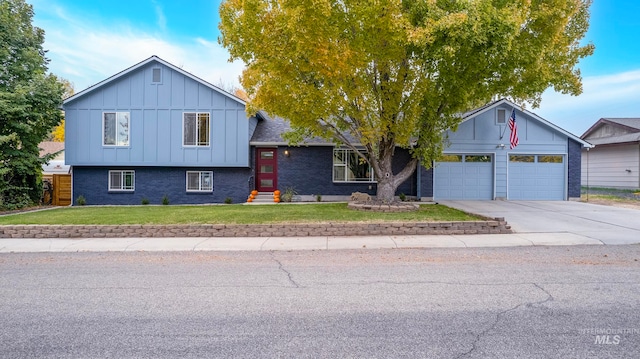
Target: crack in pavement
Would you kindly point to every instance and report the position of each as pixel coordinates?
(499, 316)
(281, 267)
(363, 283)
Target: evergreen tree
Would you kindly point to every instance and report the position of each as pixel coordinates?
(30, 102)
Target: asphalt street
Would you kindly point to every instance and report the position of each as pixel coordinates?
(517, 302)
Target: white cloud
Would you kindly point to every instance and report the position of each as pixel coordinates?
(86, 53)
(161, 18)
(612, 95)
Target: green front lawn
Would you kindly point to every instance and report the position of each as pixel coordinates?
(228, 214)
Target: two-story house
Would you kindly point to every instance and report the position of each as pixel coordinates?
(155, 131)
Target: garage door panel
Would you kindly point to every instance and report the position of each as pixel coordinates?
(463, 180)
(536, 181)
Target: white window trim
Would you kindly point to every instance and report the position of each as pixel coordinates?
(345, 166)
(122, 181)
(128, 127)
(197, 129)
(200, 190)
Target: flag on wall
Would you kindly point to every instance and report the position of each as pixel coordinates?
(514, 129)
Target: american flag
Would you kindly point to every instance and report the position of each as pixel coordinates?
(514, 129)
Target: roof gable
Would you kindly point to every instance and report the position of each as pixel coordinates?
(506, 103)
(150, 60)
(614, 131)
(612, 128)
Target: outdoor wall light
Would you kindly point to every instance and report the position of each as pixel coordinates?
(628, 170)
(287, 153)
(500, 146)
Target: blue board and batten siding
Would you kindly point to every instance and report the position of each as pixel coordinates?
(155, 151)
(156, 116)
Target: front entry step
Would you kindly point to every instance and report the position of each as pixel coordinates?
(262, 198)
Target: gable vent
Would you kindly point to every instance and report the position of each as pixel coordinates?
(502, 117)
(157, 75)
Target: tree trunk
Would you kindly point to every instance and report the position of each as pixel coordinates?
(388, 182)
(386, 190)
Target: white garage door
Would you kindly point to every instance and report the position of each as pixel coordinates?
(468, 177)
(536, 177)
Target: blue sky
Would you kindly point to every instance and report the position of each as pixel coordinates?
(89, 41)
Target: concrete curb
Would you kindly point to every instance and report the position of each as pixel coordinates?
(193, 244)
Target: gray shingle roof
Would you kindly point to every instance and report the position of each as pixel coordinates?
(270, 129)
(628, 122)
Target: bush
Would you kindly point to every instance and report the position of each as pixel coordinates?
(81, 201)
(318, 198)
(16, 201)
(403, 197)
(228, 200)
(144, 201)
(165, 200)
(288, 194)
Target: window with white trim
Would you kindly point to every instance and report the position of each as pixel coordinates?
(349, 167)
(199, 181)
(196, 129)
(120, 180)
(115, 128)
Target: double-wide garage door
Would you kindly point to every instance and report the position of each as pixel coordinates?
(471, 177)
(468, 177)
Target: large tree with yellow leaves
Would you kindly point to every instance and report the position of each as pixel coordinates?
(396, 73)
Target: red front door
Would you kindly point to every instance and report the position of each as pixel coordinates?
(266, 169)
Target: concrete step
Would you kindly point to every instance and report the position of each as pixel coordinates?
(263, 198)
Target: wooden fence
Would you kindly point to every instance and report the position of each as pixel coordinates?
(61, 189)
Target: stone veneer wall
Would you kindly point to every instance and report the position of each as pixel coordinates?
(497, 226)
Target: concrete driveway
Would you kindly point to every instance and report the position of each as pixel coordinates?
(610, 225)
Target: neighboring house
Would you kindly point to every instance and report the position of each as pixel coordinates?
(155, 130)
(614, 162)
(55, 165)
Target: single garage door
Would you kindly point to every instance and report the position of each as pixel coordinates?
(468, 177)
(536, 177)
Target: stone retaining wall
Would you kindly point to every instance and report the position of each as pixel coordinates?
(498, 226)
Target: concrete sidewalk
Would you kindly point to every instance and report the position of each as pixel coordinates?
(22, 245)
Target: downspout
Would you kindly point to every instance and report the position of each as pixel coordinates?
(419, 183)
(588, 174)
